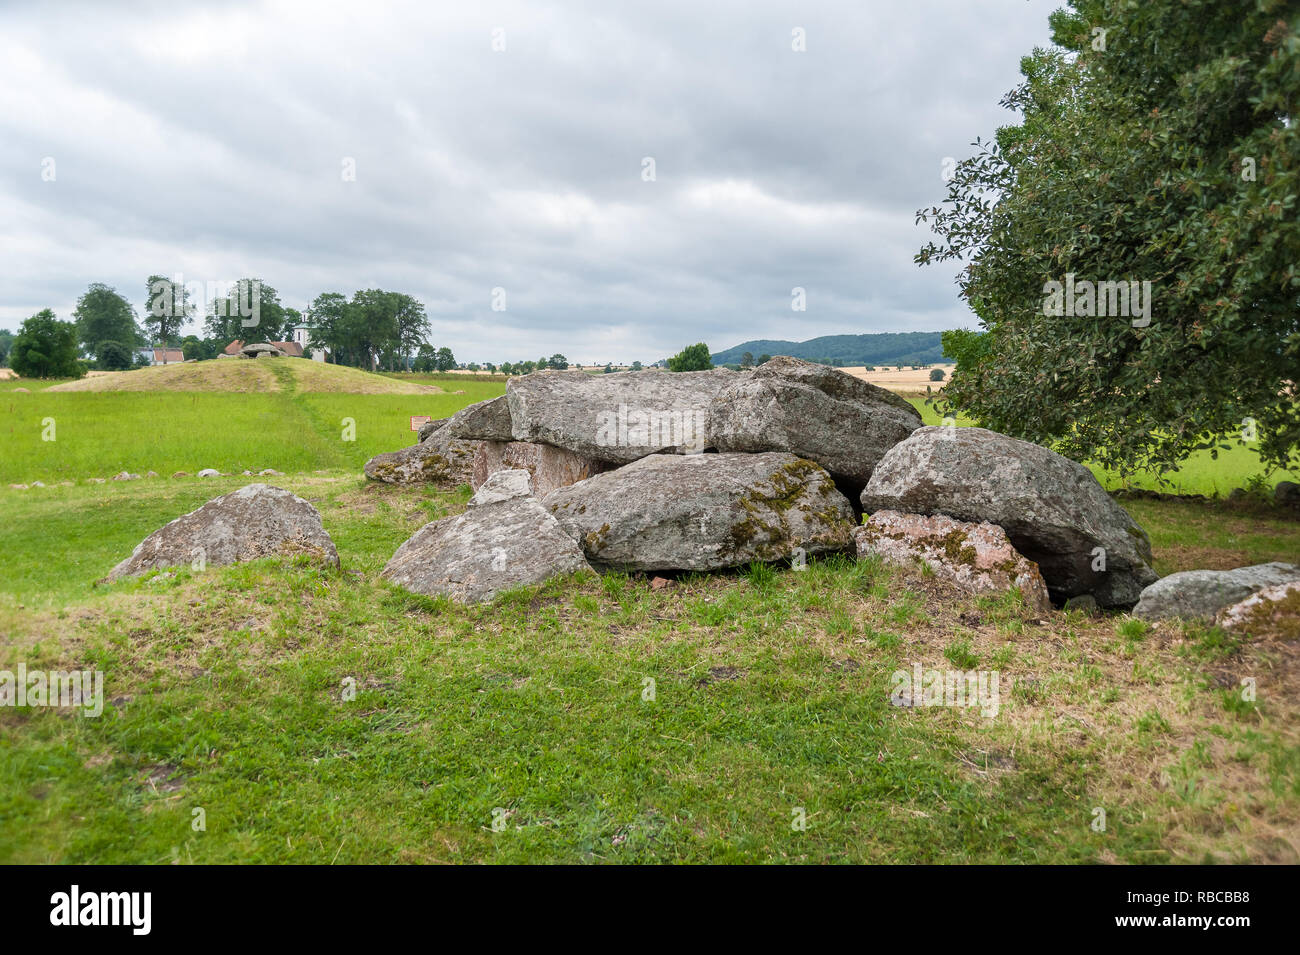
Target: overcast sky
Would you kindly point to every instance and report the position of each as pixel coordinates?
(212, 140)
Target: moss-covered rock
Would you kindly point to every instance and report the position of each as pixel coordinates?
(704, 512)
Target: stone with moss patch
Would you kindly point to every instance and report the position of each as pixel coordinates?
(978, 558)
(705, 512)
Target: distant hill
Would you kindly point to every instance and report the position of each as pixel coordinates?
(879, 348)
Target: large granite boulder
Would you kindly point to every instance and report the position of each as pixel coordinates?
(548, 468)
(257, 520)
(504, 539)
(1201, 594)
(978, 558)
(704, 512)
(484, 421)
(1271, 613)
(439, 459)
(1053, 510)
(843, 423)
(616, 418)
(260, 350)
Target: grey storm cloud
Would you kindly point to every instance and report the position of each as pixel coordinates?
(210, 140)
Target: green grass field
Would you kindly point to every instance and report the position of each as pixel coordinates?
(527, 731)
(771, 696)
(98, 434)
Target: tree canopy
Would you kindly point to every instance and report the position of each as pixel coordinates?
(249, 311)
(46, 348)
(1132, 246)
(691, 358)
(103, 316)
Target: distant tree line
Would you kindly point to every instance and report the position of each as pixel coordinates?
(374, 329)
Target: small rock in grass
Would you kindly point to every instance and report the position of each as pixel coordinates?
(150, 474)
(1084, 603)
(19, 487)
(659, 583)
(126, 476)
(95, 480)
(209, 473)
(270, 471)
(181, 474)
(1201, 594)
(1287, 494)
(38, 484)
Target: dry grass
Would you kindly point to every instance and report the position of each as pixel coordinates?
(904, 381)
(241, 376)
(225, 375)
(318, 377)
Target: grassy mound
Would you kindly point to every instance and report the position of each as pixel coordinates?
(243, 377)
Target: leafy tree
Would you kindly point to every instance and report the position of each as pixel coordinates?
(46, 348)
(102, 315)
(445, 361)
(965, 347)
(557, 361)
(636, 366)
(115, 356)
(328, 324)
(691, 358)
(426, 359)
(167, 309)
(764, 359)
(936, 374)
(201, 349)
(6, 343)
(249, 311)
(411, 324)
(1165, 150)
(747, 360)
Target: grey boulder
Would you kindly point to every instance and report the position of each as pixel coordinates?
(257, 520)
(439, 459)
(704, 512)
(484, 421)
(261, 350)
(504, 539)
(1053, 509)
(429, 427)
(616, 418)
(825, 415)
(1201, 594)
